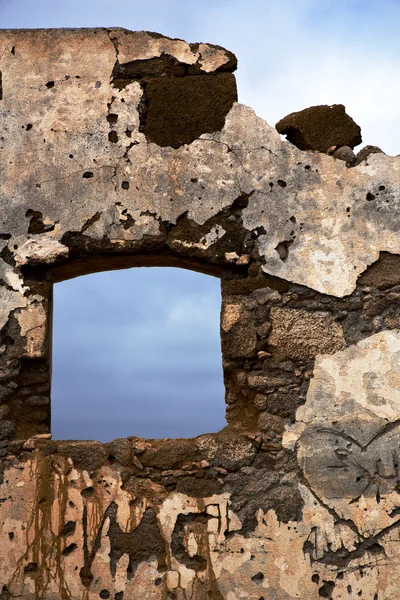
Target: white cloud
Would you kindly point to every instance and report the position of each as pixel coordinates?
(297, 54)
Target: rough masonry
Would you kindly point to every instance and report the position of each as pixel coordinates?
(121, 149)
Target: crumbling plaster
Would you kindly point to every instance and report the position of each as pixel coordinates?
(126, 149)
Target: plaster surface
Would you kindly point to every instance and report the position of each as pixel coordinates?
(122, 149)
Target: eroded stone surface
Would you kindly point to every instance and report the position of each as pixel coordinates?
(174, 544)
(298, 496)
(320, 128)
(298, 333)
(347, 433)
(331, 222)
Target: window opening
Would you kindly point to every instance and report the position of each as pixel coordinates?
(137, 352)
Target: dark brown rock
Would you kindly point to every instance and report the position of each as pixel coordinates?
(121, 450)
(171, 454)
(345, 153)
(284, 404)
(287, 502)
(227, 451)
(264, 460)
(267, 382)
(85, 455)
(238, 334)
(7, 429)
(383, 273)
(302, 334)
(198, 487)
(366, 152)
(179, 110)
(270, 423)
(320, 128)
(187, 235)
(260, 402)
(231, 287)
(375, 307)
(253, 489)
(4, 392)
(140, 544)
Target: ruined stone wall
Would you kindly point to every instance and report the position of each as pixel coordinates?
(122, 149)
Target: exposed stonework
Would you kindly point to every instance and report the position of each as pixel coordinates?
(124, 149)
(345, 153)
(304, 334)
(366, 152)
(320, 128)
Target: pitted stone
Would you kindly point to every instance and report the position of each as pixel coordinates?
(320, 128)
(298, 494)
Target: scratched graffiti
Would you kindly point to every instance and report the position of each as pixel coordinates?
(346, 466)
(359, 481)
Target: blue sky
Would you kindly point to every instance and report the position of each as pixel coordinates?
(137, 352)
(292, 54)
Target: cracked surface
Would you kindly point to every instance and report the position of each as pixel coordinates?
(298, 497)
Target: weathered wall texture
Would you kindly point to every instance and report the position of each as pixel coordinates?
(120, 149)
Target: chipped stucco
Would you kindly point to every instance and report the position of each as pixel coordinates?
(298, 496)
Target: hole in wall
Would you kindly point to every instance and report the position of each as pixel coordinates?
(283, 249)
(137, 352)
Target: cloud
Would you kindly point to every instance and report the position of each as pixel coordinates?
(297, 54)
(137, 352)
